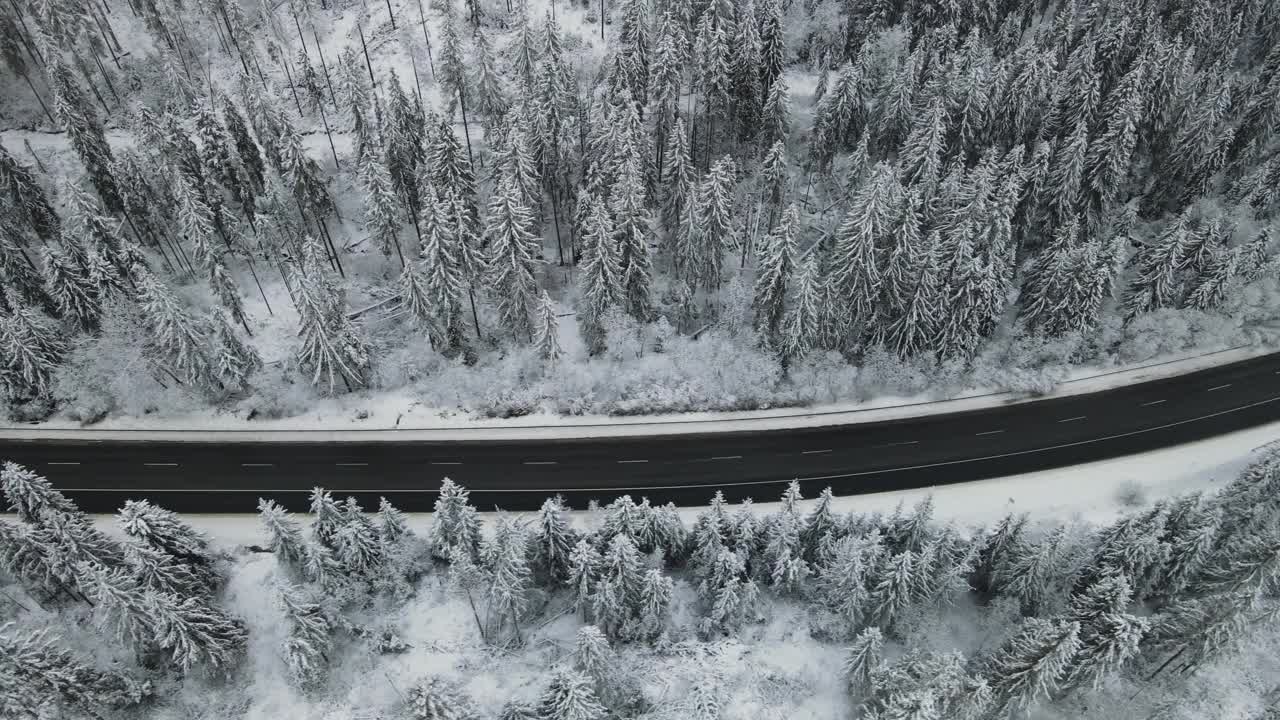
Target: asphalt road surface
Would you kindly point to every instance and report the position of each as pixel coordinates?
(212, 476)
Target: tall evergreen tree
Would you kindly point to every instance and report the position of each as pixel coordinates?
(331, 347)
(776, 265)
(601, 273)
(514, 254)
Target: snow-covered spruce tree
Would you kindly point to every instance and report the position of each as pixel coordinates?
(1032, 664)
(546, 331)
(85, 132)
(601, 271)
(633, 229)
(843, 582)
(776, 264)
(452, 68)
(393, 525)
(310, 639)
(355, 97)
(506, 558)
(381, 206)
(95, 231)
(246, 149)
(73, 291)
(864, 658)
(177, 340)
(854, 263)
(489, 97)
(284, 535)
(162, 573)
(216, 154)
(1030, 569)
(18, 272)
(234, 361)
(570, 697)
(654, 601)
(435, 698)
(772, 45)
(332, 348)
(1109, 636)
(801, 328)
(514, 254)
(455, 526)
(585, 563)
(26, 198)
(27, 555)
(713, 75)
(403, 136)
(711, 225)
(775, 120)
(31, 496)
(32, 347)
(327, 518)
(615, 601)
(680, 185)
(553, 541)
(728, 593)
(357, 542)
(163, 530)
(446, 255)
(42, 674)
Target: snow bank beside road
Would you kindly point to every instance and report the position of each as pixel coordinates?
(384, 419)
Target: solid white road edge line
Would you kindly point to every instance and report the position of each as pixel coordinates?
(1073, 419)
(860, 473)
(989, 432)
(1153, 402)
(1218, 387)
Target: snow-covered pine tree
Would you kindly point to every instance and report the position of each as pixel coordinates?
(855, 265)
(381, 206)
(177, 340)
(655, 599)
(585, 562)
(85, 132)
(451, 69)
(1032, 664)
(801, 323)
(234, 360)
(393, 525)
(165, 531)
(489, 97)
(772, 45)
(924, 146)
(455, 526)
(215, 154)
(570, 697)
(601, 273)
(666, 77)
(843, 581)
(31, 496)
(1156, 283)
(713, 74)
(553, 541)
(1109, 636)
(864, 659)
(713, 224)
(27, 198)
(1030, 569)
(163, 573)
(633, 230)
(435, 698)
(913, 331)
(546, 336)
(44, 674)
(33, 347)
(355, 95)
(747, 94)
(310, 639)
(246, 149)
(331, 347)
(616, 597)
(775, 267)
(357, 543)
(727, 592)
(509, 577)
(775, 119)
(284, 535)
(893, 588)
(679, 182)
(73, 292)
(514, 254)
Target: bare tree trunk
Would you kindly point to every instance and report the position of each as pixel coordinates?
(325, 67)
(26, 33)
(391, 13)
(466, 131)
(368, 65)
(39, 99)
(289, 76)
(422, 20)
(325, 119)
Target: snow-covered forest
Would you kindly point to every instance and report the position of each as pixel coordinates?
(629, 611)
(629, 207)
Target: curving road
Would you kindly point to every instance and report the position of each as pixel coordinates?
(212, 476)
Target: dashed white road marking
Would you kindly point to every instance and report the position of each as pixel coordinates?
(539, 462)
(1218, 387)
(161, 464)
(989, 432)
(896, 444)
(624, 462)
(727, 457)
(1073, 419)
(257, 465)
(62, 463)
(351, 464)
(1153, 402)
(814, 452)
(441, 462)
